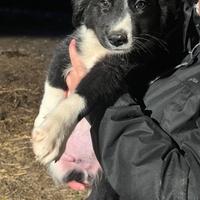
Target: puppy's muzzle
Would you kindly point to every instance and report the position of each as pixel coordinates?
(79, 176)
(117, 38)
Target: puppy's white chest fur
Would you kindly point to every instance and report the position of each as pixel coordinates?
(91, 51)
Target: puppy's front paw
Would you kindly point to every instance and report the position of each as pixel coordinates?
(49, 139)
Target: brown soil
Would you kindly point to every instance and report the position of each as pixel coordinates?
(23, 62)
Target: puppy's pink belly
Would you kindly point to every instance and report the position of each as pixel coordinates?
(79, 149)
(79, 156)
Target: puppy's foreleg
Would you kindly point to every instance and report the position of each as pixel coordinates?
(103, 84)
(52, 96)
(50, 137)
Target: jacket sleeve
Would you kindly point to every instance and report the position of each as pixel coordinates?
(140, 160)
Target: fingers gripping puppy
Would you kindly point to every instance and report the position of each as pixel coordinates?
(113, 38)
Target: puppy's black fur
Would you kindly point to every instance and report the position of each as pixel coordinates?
(157, 28)
(124, 44)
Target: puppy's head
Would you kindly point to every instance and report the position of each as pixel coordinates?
(119, 23)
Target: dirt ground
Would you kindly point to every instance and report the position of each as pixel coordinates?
(23, 62)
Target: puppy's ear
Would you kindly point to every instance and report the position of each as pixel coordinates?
(79, 6)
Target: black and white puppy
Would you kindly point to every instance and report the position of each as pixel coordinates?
(114, 38)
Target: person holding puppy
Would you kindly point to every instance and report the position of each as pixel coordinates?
(151, 151)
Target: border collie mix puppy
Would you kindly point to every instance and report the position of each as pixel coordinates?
(114, 38)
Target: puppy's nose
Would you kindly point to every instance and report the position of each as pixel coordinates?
(118, 39)
(74, 175)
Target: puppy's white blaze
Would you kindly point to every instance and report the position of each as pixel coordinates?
(92, 50)
(124, 24)
(52, 96)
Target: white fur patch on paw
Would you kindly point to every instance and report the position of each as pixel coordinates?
(50, 137)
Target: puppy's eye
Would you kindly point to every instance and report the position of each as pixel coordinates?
(140, 4)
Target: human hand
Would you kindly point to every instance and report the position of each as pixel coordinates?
(78, 69)
(73, 78)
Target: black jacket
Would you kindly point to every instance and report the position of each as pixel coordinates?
(153, 153)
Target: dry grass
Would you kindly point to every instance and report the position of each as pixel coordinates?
(22, 65)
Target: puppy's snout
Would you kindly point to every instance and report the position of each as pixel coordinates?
(74, 175)
(118, 38)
